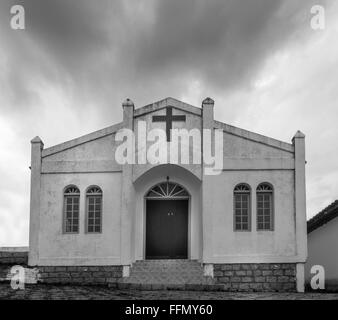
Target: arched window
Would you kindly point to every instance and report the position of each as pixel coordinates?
(242, 210)
(265, 207)
(71, 209)
(94, 210)
(167, 190)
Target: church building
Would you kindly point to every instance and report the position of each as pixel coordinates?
(170, 196)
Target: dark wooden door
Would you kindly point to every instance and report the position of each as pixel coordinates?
(167, 229)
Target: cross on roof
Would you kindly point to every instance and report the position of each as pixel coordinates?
(168, 119)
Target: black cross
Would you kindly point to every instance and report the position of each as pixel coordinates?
(168, 118)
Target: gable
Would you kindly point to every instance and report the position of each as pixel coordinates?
(254, 137)
(94, 152)
(191, 121)
(98, 149)
(245, 150)
(242, 149)
(167, 102)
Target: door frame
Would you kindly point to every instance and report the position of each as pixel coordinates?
(145, 199)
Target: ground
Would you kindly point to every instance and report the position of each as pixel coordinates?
(67, 292)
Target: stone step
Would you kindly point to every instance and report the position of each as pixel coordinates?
(167, 261)
(166, 273)
(166, 269)
(162, 269)
(165, 276)
(170, 281)
(156, 267)
(167, 265)
(167, 286)
(183, 265)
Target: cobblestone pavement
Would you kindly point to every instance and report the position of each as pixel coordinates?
(67, 292)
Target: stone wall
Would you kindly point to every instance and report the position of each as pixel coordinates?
(9, 258)
(13, 257)
(79, 274)
(256, 277)
(4, 270)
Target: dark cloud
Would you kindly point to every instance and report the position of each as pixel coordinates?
(222, 43)
(106, 50)
(218, 42)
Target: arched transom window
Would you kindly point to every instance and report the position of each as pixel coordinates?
(167, 190)
(94, 209)
(71, 209)
(242, 210)
(265, 207)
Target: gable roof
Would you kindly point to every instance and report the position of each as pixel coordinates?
(161, 104)
(81, 140)
(255, 137)
(323, 217)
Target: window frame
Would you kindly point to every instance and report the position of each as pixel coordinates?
(271, 192)
(64, 208)
(88, 195)
(248, 192)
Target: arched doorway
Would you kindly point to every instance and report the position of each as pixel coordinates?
(167, 212)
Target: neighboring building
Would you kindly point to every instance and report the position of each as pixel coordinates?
(244, 222)
(323, 245)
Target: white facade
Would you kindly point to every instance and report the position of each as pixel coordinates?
(323, 251)
(90, 160)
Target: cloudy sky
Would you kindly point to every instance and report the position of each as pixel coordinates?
(67, 73)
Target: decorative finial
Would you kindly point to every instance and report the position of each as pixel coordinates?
(299, 134)
(37, 139)
(128, 103)
(208, 101)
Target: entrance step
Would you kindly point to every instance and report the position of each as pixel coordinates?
(160, 286)
(165, 275)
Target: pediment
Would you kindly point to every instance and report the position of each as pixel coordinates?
(167, 102)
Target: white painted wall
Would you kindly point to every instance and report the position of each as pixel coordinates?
(90, 163)
(323, 250)
(56, 248)
(229, 246)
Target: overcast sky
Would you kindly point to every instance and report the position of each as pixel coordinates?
(68, 72)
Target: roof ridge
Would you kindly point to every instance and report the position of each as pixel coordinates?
(325, 209)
